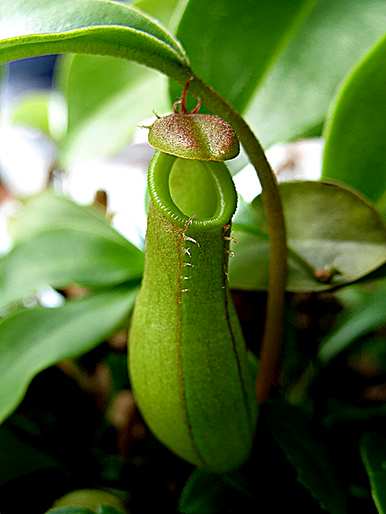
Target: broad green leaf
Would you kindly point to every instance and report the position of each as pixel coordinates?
(333, 233)
(33, 111)
(232, 45)
(52, 211)
(308, 453)
(58, 243)
(355, 133)
(38, 27)
(19, 458)
(34, 339)
(365, 317)
(373, 451)
(63, 256)
(107, 98)
(294, 97)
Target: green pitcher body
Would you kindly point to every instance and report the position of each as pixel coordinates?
(187, 357)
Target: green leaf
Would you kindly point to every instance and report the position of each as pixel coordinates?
(19, 458)
(97, 500)
(294, 97)
(309, 455)
(65, 243)
(373, 451)
(106, 509)
(332, 232)
(107, 98)
(204, 493)
(70, 510)
(35, 339)
(355, 133)
(231, 44)
(365, 317)
(60, 257)
(211, 493)
(167, 12)
(52, 211)
(33, 111)
(82, 510)
(38, 27)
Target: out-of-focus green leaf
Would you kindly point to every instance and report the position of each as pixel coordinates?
(356, 133)
(231, 44)
(97, 500)
(332, 233)
(30, 27)
(107, 98)
(63, 256)
(33, 111)
(58, 243)
(52, 211)
(167, 12)
(211, 493)
(18, 458)
(309, 455)
(105, 509)
(373, 451)
(204, 493)
(293, 99)
(34, 339)
(70, 510)
(365, 317)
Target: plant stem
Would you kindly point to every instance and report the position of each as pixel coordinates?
(273, 332)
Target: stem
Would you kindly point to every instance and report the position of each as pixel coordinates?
(273, 332)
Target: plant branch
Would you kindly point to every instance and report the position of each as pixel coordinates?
(273, 332)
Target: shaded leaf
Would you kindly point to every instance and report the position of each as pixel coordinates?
(34, 339)
(309, 455)
(294, 98)
(355, 133)
(204, 493)
(28, 28)
(212, 493)
(105, 509)
(333, 234)
(251, 35)
(18, 458)
(373, 451)
(366, 316)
